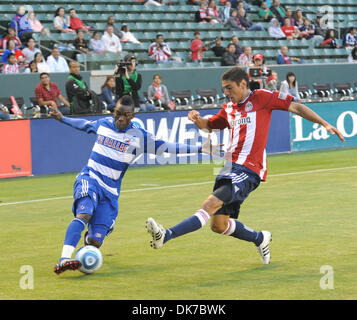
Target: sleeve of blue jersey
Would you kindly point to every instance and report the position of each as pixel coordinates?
(158, 146)
(82, 124)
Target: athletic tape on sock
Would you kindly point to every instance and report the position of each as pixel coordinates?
(203, 216)
(230, 228)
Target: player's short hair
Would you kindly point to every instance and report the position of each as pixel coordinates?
(236, 74)
(128, 102)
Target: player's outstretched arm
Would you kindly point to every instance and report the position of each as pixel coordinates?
(306, 113)
(80, 124)
(200, 122)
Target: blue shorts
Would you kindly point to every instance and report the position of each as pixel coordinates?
(242, 181)
(90, 198)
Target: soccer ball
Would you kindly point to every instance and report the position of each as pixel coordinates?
(91, 259)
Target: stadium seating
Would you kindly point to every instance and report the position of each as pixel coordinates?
(176, 23)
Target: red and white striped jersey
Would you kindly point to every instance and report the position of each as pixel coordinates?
(248, 123)
(159, 54)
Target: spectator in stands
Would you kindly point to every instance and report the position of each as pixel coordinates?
(289, 14)
(352, 57)
(233, 23)
(35, 24)
(212, 11)
(80, 43)
(197, 48)
(350, 39)
(320, 29)
(32, 67)
(11, 36)
(30, 50)
(41, 64)
(4, 113)
(202, 15)
(273, 81)
(159, 50)
(218, 49)
(307, 31)
(283, 57)
(291, 32)
(128, 35)
(275, 30)
(108, 94)
(299, 19)
(128, 81)
(96, 44)
(278, 11)
(11, 49)
(265, 13)
(117, 32)
(80, 97)
(239, 49)
(246, 58)
(290, 86)
(247, 24)
(75, 23)
(11, 65)
(229, 58)
(158, 93)
(61, 22)
(111, 41)
(330, 40)
(56, 63)
(20, 23)
(225, 12)
(48, 94)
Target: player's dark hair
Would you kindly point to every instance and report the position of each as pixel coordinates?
(236, 74)
(128, 102)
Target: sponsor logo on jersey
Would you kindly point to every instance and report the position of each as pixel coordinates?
(114, 144)
(249, 106)
(240, 121)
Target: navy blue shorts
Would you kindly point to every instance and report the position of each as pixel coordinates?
(242, 181)
(90, 198)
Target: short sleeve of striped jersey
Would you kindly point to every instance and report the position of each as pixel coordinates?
(219, 120)
(280, 101)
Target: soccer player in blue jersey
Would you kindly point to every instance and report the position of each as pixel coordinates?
(97, 187)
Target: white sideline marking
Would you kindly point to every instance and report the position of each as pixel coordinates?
(182, 185)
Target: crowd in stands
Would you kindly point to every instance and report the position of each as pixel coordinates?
(20, 52)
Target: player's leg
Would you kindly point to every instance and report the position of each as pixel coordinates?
(73, 235)
(191, 224)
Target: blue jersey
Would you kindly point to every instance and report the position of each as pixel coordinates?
(114, 150)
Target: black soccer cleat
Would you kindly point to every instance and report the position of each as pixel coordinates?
(67, 264)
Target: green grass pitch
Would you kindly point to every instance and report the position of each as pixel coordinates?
(311, 215)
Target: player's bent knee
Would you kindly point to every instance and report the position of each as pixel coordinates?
(84, 216)
(212, 204)
(94, 242)
(218, 228)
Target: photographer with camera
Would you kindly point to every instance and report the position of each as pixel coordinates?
(127, 80)
(159, 50)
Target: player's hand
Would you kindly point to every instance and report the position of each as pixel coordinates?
(213, 150)
(333, 130)
(193, 116)
(56, 114)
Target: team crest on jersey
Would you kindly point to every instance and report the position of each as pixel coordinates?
(249, 106)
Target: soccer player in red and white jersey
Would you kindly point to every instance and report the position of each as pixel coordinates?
(247, 116)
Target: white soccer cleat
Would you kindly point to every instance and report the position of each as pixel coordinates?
(263, 249)
(157, 232)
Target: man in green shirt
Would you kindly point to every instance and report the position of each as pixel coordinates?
(265, 13)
